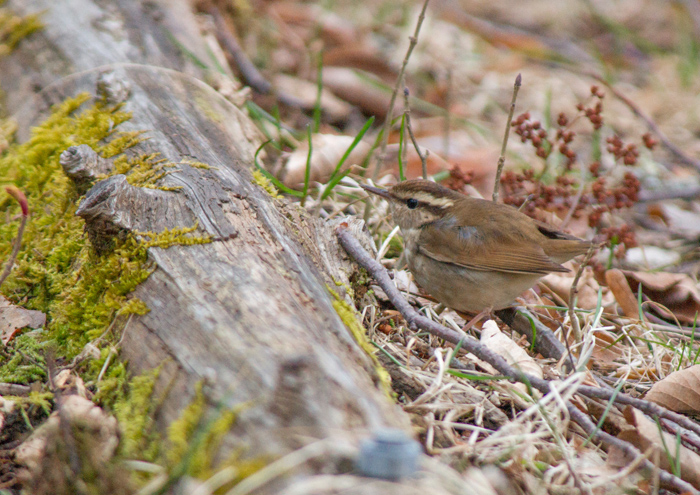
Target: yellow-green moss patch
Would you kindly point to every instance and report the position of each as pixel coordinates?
(260, 179)
(349, 316)
(14, 28)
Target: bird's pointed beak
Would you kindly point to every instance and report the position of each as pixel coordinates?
(375, 190)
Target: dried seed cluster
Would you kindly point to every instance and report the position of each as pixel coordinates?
(600, 198)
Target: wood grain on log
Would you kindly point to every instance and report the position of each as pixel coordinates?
(250, 313)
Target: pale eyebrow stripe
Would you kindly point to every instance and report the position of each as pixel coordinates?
(433, 201)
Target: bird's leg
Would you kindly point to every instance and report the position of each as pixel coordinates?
(477, 318)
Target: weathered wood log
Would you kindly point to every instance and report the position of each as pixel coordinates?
(249, 313)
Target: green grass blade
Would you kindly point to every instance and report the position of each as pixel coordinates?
(319, 90)
(307, 172)
(275, 181)
(335, 178)
(402, 134)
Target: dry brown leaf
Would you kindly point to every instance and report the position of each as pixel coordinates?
(332, 107)
(651, 257)
(357, 90)
(679, 391)
(676, 291)
(360, 57)
(606, 350)
(617, 283)
(560, 284)
(413, 166)
(682, 222)
(327, 151)
(501, 344)
(643, 433)
(14, 318)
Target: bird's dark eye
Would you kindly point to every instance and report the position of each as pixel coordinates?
(412, 203)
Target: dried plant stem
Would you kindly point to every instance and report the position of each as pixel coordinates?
(416, 320)
(250, 74)
(675, 150)
(577, 199)
(15, 250)
(502, 158)
(573, 293)
(22, 200)
(413, 40)
(407, 112)
(449, 90)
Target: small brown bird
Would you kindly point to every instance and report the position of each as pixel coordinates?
(471, 254)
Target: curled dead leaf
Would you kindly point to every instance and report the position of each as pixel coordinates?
(516, 356)
(679, 391)
(617, 283)
(675, 291)
(357, 90)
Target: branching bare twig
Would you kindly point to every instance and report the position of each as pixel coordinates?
(413, 40)
(416, 320)
(502, 158)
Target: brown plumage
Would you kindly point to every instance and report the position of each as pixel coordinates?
(472, 254)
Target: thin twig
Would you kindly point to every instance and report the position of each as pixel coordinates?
(14, 389)
(22, 200)
(250, 74)
(675, 150)
(407, 112)
(413, 40)
(577, 200)
(573, 293)
(469, 344)
(502, 158)
(449, 90)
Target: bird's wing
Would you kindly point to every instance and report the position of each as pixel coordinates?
(468, 250)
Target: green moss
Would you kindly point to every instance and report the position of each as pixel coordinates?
(203, 102)
(134, 411)
(14, 28)
(57, 271)
(264, 182)
(194, 438)
(144, 170)
(182, 429)
(82, 292)
(197, 164)
(349, 316)
(19, 360)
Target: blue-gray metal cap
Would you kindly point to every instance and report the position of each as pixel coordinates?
(390, 454)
